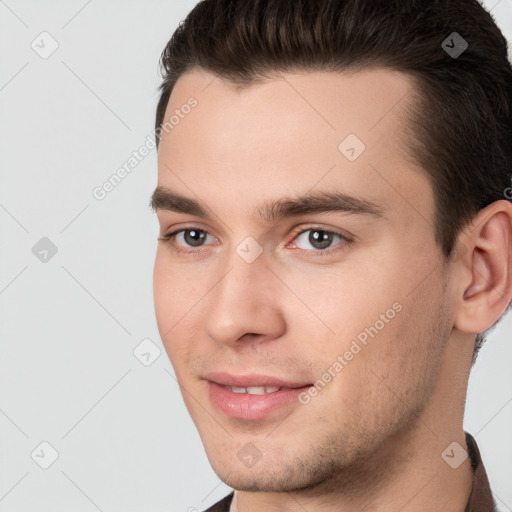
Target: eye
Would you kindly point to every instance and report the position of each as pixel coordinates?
(319, 239)
(190, 237)
(313, 239)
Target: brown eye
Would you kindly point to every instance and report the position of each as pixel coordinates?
(186, 238)
(194, 237)
(318, 239)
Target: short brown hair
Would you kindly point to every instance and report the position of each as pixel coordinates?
(461, 123)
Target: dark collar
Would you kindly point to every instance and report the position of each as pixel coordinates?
(480, 499)
(222, 505)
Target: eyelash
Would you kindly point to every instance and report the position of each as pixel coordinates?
(170, 237)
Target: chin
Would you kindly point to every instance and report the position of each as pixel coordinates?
(266, 475)
(251, 482)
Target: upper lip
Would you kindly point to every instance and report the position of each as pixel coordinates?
(244, 381)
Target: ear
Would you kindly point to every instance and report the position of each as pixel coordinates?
(484, 269)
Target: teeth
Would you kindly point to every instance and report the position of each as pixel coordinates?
(254, 390)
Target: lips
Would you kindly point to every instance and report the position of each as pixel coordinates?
(252, 380)
(253, 397)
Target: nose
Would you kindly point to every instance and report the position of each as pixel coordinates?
(245, 305)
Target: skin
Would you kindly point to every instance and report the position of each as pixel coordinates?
(373, 438)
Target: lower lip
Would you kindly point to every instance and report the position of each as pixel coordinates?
(252, 407)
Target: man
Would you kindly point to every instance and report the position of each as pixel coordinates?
(335, 237)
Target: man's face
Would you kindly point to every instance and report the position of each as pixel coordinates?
(248, 299)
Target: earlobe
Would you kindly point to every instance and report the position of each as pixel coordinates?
(488, 291)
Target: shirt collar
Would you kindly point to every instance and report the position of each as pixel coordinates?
(480, 499)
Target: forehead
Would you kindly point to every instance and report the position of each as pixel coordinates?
(291, 133)
(365, 101)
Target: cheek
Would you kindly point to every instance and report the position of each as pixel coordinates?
(375, 323)
(390, 377)
(177, 296)
(400, 363)
(170, 300)
(175, 291)
(345, 300)
(162, 293)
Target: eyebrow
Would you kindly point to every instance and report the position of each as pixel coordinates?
(316, 202)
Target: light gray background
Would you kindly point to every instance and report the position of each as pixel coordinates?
(68, 327)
